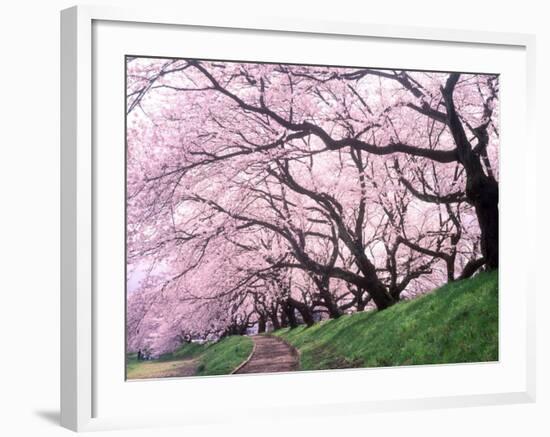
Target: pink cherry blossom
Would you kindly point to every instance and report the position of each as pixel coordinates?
(277, 194)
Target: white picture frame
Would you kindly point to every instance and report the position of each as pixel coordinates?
(80, 310)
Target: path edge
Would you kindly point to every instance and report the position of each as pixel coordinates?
(295, 350)
(245, 362)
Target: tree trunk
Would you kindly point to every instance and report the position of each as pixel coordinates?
(450, 268)
(275, 321)
(284, 320)
(482, 192)
(360, 303)
(381, 297)
(328, 301)
(307, 315)
(304, 311)
(481, 189)
(261, 325)
(471, 267)
(288, 309)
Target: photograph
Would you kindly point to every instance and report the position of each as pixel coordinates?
(224, 219)
(287, 217)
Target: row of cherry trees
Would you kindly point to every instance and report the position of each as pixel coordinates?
(269, 193)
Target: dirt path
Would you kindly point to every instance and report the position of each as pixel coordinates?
(270, 355)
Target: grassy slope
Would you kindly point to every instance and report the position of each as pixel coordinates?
(222, 357)
(457, 323)
(196, 359)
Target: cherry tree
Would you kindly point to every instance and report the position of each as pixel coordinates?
(269, 192)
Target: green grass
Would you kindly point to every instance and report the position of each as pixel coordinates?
(188, 350)
(222, 357)
(213, 358)
(455, 324)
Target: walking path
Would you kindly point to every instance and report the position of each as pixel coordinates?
(270, 355)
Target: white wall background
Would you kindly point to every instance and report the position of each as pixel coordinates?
(29, 215)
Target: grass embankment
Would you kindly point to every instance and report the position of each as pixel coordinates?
(455, 324)
(192, 359)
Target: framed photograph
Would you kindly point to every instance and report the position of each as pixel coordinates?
(257, 207)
